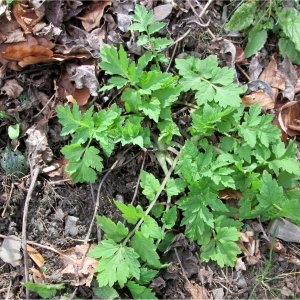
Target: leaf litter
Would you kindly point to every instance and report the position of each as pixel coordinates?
(61, 41)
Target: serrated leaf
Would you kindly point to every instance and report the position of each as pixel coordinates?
(147, 275)
(116, 232)
(146, 249)
(130, 213)
(132, 99)
(155, 27)
(153, 80)
(151, 109)
(73, 152)
(289, 21)
(70, 119)
(113, 61)
(149, 184)
(288, 164)
(256, 40)
(229, 95)
(117, 263)
(242, 17)
(150, 228)
(105, 292)
(290, 209)
(142, 16)
(169, 218)
(270, 196)
(175, 186)
(139, 291)
(223, 248)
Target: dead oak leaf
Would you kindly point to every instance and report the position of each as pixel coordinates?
(92, 18)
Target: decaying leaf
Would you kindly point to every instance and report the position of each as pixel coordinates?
(261, 97)
(289, 118)
(11, 89)
(27, 16)
(197, 291)
(273, 76)
(84, 76)
(80, 96)
(230, 194)
(82, 267)
(37, 145)
(35, 256)
(19, 52)
(91, 19)
(250, 247)
(162, 11)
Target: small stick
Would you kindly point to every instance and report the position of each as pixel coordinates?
(36, 172)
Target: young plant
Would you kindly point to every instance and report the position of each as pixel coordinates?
(227, 147)
(256, 18)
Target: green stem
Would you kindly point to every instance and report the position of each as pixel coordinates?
(162, 186)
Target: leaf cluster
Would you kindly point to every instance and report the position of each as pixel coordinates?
(226, 147)
(256, 18)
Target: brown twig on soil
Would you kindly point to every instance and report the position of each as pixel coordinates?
(39, 245)
(36, 172)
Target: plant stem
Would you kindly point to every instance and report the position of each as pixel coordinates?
(162, 186)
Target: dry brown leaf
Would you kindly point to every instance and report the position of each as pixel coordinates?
(261, 97)
(93, 17)
(289, 118)
(35, 256)
(240, 265)
(230, 194)
(37, 275)
(19, 52)
(197, 292)
(82, 268)
(11, 89)
(250, 247)
(26, 16)
(273, 76)
(80, 96)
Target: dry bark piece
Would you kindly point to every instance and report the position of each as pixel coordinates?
(285, 230)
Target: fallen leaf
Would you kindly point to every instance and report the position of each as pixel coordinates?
(289, 71)
(81, 267)
(84, 76)
(261, 97)
(230, 194)
(80, 96)
(273, 76)
(92, 18)
(19, 52)
(289, 118)
(11, 89)
(35, 256)
(240, 265)
(162, 11)
(250, 247)
(27, 16)
(196, 291)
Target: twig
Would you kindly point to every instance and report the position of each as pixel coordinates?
(98, 200)
(181, 266)
(38, 245)
(8, 290)
(36, 172)
(139, 179)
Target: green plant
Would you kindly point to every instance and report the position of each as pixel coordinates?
(226, 146)
(256, 18)
(45, 291)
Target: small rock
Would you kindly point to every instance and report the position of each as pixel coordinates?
(70, 227)
(218, 293)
